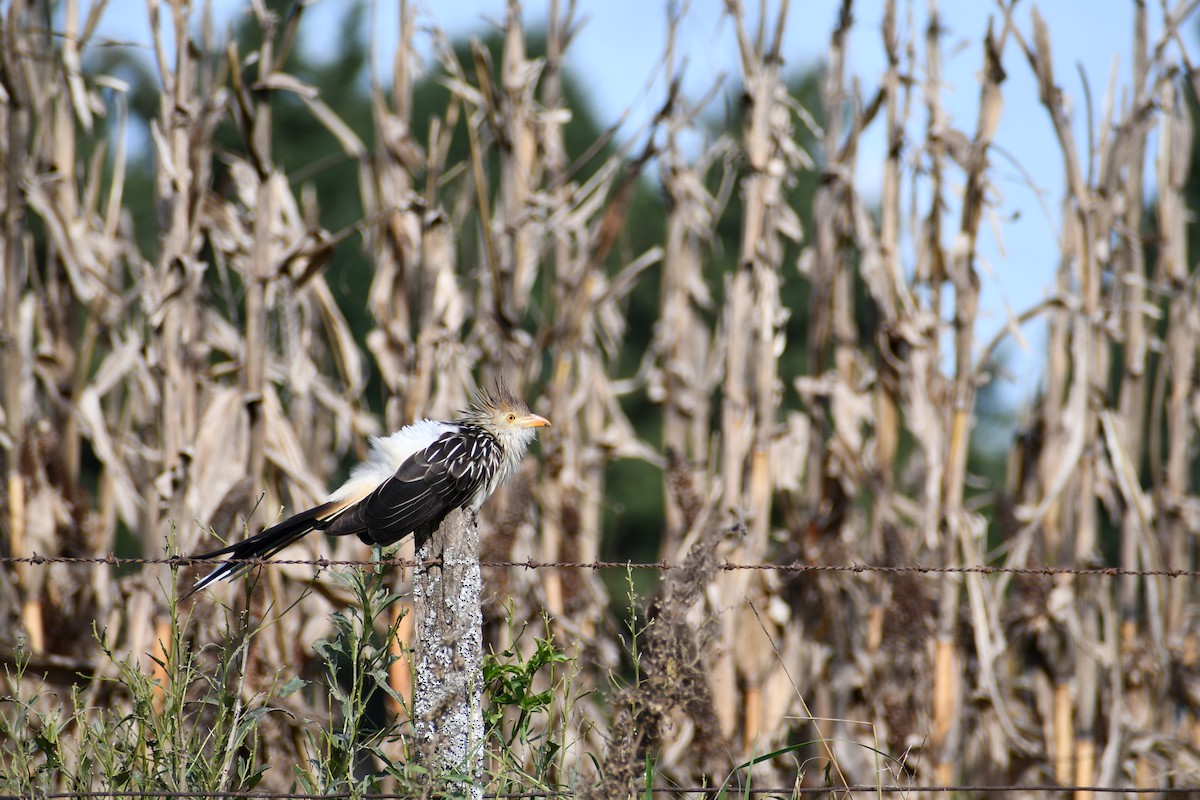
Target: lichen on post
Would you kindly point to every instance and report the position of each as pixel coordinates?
(448, 686)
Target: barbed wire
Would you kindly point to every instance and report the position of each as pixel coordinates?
(660, 790)
(180, 562)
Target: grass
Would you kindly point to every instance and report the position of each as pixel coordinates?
(121, 730)
(194, 730)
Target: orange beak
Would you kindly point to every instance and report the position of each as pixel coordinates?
(534, 421)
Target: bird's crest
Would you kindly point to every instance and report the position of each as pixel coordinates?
(498, 398)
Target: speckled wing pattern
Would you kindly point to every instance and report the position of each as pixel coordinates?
(447, 474)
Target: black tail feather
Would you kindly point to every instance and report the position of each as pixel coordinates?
(262, 545)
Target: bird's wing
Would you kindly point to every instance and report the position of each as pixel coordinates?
(427, 486)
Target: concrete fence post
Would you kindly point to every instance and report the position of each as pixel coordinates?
(448, 689)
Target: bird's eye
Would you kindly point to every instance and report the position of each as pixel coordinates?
(512, 417)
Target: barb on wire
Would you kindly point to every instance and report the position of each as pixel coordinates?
(662, 566)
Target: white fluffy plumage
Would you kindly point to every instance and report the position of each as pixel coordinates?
(387, 453)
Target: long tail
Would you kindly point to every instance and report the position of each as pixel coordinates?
(265, 544)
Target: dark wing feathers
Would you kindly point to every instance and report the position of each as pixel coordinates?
(425, 488)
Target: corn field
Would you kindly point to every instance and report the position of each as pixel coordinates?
(186, 376)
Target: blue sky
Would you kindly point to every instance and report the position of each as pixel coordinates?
(617, 52)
